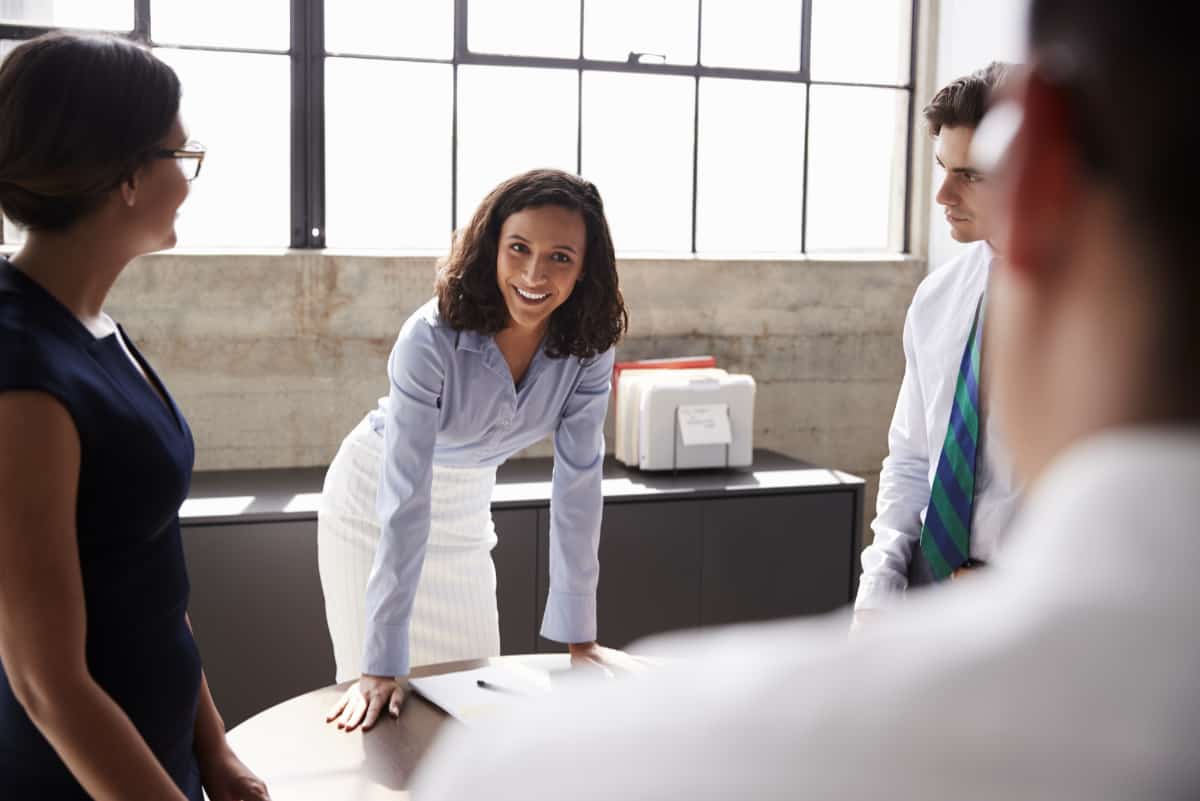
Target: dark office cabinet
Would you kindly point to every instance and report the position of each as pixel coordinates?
(771, 556)
(258, 613)
(649, 571)
(515, 556)
(676, 551)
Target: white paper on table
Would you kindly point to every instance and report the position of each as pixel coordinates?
(704, 424)
(462, 698)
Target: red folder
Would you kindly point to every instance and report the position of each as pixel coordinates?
(674, 363)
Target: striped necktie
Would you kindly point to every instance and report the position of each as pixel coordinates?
(946, 535)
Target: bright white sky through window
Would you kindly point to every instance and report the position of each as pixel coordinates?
(115, 15)
(391, 149)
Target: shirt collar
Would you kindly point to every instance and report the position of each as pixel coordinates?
(989, 255)
(472, 341)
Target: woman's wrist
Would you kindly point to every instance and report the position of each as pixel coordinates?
(211, 749)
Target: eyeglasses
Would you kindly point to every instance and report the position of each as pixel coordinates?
(190, 158)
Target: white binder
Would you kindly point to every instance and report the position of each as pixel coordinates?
(679, 425)
(629, 401)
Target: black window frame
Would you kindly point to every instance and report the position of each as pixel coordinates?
(307, 55)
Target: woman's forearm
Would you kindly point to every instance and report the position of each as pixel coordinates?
(210, 727)
(98, 743)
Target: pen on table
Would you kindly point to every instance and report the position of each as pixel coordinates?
(487, 685)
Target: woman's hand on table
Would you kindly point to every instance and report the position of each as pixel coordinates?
(365, 701)
(609, 661)
(226, 778)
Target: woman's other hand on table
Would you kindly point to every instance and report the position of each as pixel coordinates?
(609, 661)
(364, 702)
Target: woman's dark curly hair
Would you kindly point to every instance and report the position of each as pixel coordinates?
(592, 319)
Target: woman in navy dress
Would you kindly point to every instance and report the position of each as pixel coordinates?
(101, 690)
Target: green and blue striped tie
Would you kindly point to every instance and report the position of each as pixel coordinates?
(946, 535)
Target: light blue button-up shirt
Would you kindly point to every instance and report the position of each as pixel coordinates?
(452, 402)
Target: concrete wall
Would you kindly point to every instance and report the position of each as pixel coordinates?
(275, 357)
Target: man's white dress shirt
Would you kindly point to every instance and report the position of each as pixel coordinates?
(1070, 671)
(935, 336)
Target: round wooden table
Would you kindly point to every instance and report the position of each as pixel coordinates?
(303, 758)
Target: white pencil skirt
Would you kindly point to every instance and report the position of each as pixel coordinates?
(454, 612)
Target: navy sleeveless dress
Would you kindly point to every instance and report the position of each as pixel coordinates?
(137, 455)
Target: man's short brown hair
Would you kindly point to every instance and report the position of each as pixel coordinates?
(961, 103)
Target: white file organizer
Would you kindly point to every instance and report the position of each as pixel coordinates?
(629, 403)
(679, 427)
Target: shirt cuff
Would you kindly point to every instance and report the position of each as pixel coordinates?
(569, 618)
(875, 592)
(385, 650)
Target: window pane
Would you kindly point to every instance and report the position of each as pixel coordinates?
(113, 15)
(861, 41)
(524, 27)
(262, 24)
(637, 149)
(758, 34)
(751, 167)
(12, 234)
(389, 28)
(512, 120)
(239, 106)
(615, 28)
(387, 164)
(856, 151)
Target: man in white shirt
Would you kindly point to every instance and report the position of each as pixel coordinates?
(1070, 670)
(938, 327)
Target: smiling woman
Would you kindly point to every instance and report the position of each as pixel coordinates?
(517, 346)
(471, 281)
(537, 269)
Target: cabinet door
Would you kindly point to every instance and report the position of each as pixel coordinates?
(649, 571)
(515, 556)
(258, 613)
(774, 556)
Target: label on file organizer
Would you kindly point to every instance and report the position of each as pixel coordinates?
(705, 424)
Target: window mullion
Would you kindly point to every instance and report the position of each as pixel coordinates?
(141, 21)
(806, 40)
(308, 123)
(460, 31)
(912, 113)
(696, 123)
